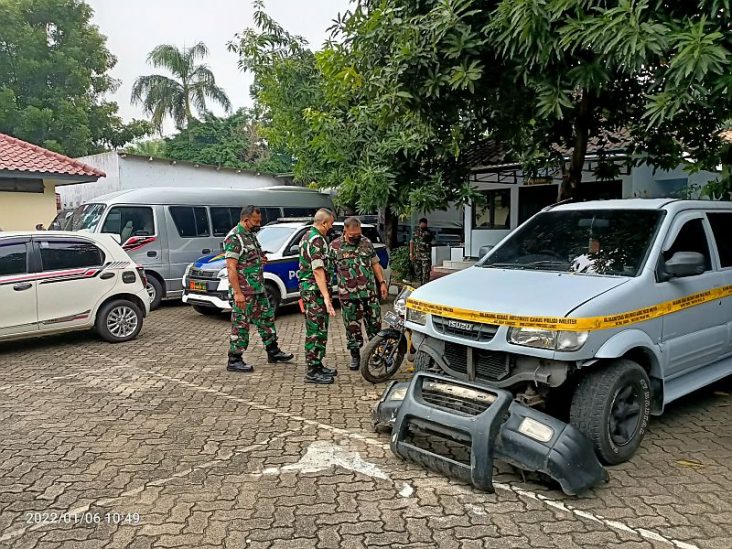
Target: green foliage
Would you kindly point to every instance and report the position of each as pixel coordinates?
(54, 68)
(189, 88)
(401, 265)
(149, 147)
(232, 142)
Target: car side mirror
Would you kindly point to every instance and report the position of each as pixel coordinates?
(294, 250)
(683, 264)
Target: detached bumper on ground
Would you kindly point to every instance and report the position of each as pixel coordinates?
(458, 428)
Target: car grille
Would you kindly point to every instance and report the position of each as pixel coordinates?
(489, 365)
(472, 331)
(471, 404)
(203, 275)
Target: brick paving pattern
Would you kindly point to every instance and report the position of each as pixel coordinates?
(207, 458)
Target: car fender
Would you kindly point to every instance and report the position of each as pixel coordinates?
(277, 281)
(621, 343)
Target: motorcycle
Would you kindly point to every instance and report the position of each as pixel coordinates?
(383, 355)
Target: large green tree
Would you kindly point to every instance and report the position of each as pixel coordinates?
(189, 88)
(232, 142)
(54, 68)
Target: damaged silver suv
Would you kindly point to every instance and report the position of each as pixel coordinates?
(614, 308)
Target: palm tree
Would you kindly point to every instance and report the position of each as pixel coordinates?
(176, 97)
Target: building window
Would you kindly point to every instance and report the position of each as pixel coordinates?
(495, 212)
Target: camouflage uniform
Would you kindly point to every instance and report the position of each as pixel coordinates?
(241, 244)
(357, 291)
(422, 240)
(314, 254)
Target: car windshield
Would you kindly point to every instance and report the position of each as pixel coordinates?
(85, 218)
(272, 238)
(595, 242)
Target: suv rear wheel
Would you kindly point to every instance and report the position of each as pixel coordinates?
(119, 320)
(611, 406)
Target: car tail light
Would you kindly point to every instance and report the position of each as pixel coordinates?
(141, 272)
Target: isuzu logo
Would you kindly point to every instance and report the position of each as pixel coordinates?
(459, 325)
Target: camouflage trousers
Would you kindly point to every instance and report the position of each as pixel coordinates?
(422, 268)
(316, 328)
(355, 311)
(257, 311)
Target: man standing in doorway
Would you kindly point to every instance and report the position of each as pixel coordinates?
(249, 302)
(420, 251)
(360, 284)
(314, 276)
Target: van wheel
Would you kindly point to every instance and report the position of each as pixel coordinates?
(155, 291)
(611, 406)
(273, 294)
(119, 320)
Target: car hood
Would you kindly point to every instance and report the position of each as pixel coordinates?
(515, 292)
(211, 262)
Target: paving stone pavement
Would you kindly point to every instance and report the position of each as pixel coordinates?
(153, 444)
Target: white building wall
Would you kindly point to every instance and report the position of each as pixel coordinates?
(134, 172)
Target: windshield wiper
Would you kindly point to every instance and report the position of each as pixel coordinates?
(506, 265)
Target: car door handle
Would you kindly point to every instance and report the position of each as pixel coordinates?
(106, 276)
(206, 251)
(22, 286)
(152, 254)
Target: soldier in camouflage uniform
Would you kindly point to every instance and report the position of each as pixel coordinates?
(360, 284)
(247, 295)
(314, 276)
(420, 251)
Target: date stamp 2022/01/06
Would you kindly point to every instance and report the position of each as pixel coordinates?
(82, 519)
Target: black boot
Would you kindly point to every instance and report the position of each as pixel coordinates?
(317, 376)
(275, 354)
(355, 359)
(332, 372)
(237, 364)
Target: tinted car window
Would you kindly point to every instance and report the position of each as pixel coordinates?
(69, 254)
(691, 238)
(372, 234)
(223, 220)
(129, 221)
(722, 229)
(13, 259)
(190, 222)
(299, 212)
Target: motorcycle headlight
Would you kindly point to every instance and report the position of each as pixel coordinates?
(223, 273)
(417, 317)
(400, 303)
(554, 340)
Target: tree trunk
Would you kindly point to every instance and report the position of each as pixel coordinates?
(391, 220)
(572, 177)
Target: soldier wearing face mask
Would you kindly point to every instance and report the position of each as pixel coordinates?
(249, 304)
(360, 285)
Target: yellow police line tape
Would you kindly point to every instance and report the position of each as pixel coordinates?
(569, 324)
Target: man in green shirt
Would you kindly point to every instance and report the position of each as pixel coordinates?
(314, 276)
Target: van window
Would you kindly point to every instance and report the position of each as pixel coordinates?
(69, 254)
(190, 222)
(129, 221)
(224, 219)
(13, 259)
(691, 238)
(372, 234)
(722, 228)
(86, 216)
(299, 212)
(270, 214)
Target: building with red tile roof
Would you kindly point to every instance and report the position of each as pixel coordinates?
(29, 175)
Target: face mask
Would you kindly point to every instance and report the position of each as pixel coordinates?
(255, 228)
(355, 239)
(329, 232)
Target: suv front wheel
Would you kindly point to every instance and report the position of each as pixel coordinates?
(611, 406)
(119, 320)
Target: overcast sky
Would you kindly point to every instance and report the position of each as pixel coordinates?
(135, 27)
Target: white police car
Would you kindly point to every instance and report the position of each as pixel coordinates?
(206, 285)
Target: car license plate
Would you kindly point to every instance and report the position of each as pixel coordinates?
(197, 286)
(392, 318)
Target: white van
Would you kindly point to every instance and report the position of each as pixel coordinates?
(166, 229)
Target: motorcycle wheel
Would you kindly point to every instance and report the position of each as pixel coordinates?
(375, 366)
